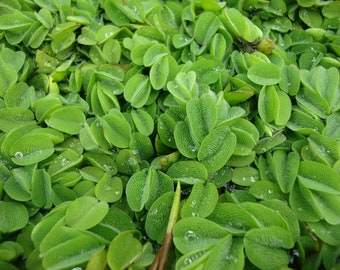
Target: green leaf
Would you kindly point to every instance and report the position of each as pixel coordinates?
(38, 37)
(265, 216)
(115, 221)
(193, 233)
(137, 90)
(185, 142)
(327, 150)
(64, 161)
(138, 189)
(127, 162)
(245, 176)
(233, 218)
(264, 73)
(71, 253)
(319, 177)
(268, 143)
(154, 54)
(165, 129)
(68, 119)
(158, 216)
(11, 118)
(226, 254)
(188, 171)
(285, 169)
(13, 216)
(271, 244)
(184, 87)
(30, 149)
(205, 27)
(286, 212)
(141, 146)
(15, 21)
(201, 202)
(159, 73)
(41, 189)
(45, 17)
(124, 249)
(19, 95)
(326, 232)
(117, 129)
(62, 40)
(332, 129)
(133, 10)
(106, 32)
(181, 40)
(193, 260)
(303, 204)
(109, 189)
(331, 10)
(160, 185)
(14, 58)
(327, 205)
(304, 123)
(85, 212)
(216, 148)
(143, 121)
(10, 250)
(17, 189)
(202, 116)
(240, 26)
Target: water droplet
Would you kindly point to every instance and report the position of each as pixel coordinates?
(289, 83)
(18, 155)
(187, 261)
(192, 148)
(300, 209)
(270, 191)
(117, 192)
(193, 203)
(98, 124)
(65, 162)
(108, 34)
(107, 167)
(108, 188)
(190, 236)
(135, 151)
(253, 179)
(131, 161)
(153, 212)
(312, 48)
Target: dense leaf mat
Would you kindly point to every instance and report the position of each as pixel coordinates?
(107, 105)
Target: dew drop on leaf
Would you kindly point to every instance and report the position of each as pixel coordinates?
(135, 151)
(65, 162)
(187, 261)
(19, 155)
(107, 167)
(190, 236)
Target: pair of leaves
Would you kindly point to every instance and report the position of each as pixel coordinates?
(274, 106)
(141, 184)
(320, 95)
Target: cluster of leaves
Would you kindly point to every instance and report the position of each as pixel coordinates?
(106, 104)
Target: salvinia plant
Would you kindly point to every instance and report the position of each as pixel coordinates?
(163, 134)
